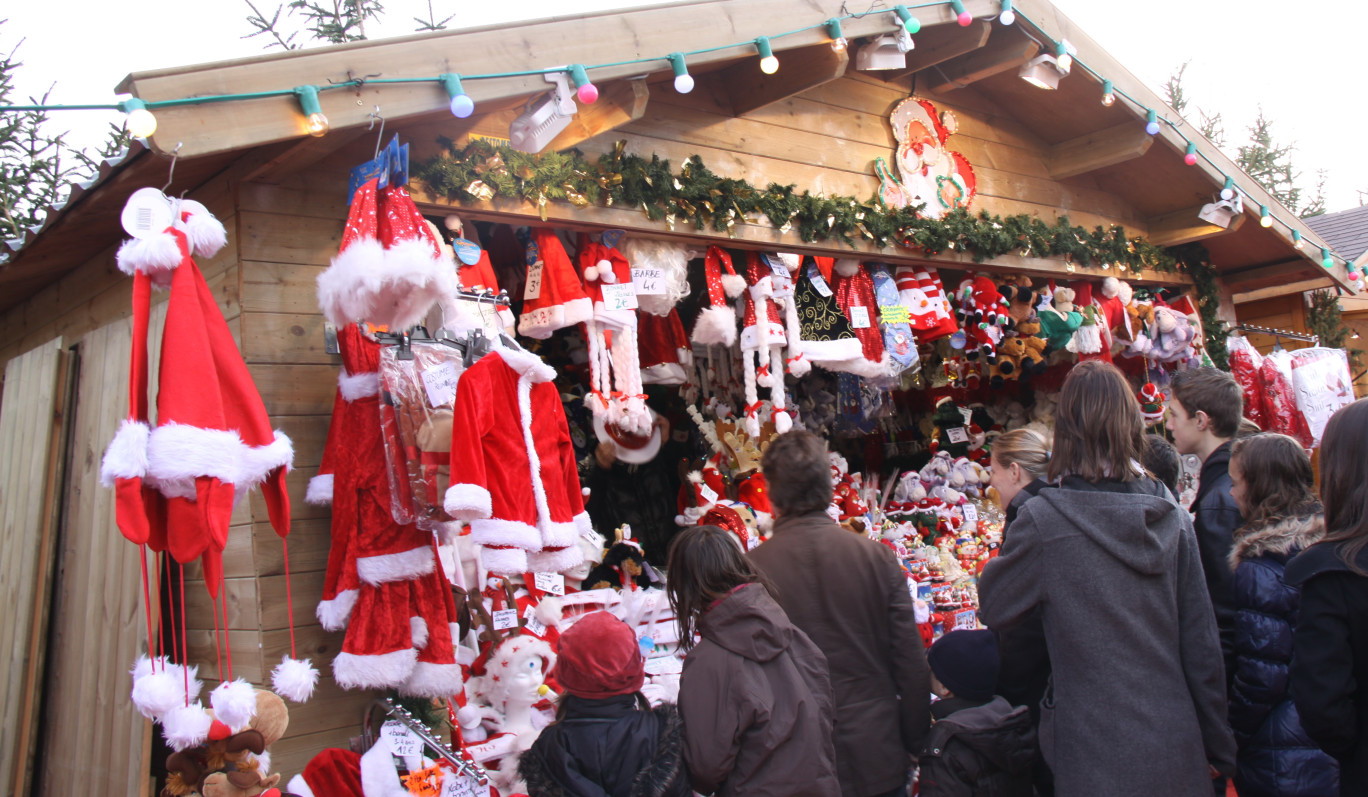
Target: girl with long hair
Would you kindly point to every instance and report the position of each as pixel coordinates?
(754, 695)
(1329, 676)
(1272, 484)
(1137, 692)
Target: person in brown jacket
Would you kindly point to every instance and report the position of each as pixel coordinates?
(754, 695)
(848, 594)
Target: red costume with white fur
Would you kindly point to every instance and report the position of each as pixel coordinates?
(514, 476)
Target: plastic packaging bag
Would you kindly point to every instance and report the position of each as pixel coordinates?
(1321, 379)
(1280, 398)
(1245, 363)
(416, 403)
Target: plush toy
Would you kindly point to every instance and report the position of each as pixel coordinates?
(1010, 353)
(1139, 319)
(234, 762)
(1020, 295)
(1152, 403)
(983, 312)
(950, 433)
(1034, 346)
(1173, 336)
(1061, 319)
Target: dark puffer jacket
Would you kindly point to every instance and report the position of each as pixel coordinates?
(1215, 516)
(1276, 757)
(608, 748)
(982, 751)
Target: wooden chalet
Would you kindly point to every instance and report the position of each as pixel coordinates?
(73, 623)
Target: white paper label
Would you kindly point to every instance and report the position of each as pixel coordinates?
(550, 583)
(819, 283)
(648, 281)
(777, 266)
(859, 317)
(402, 741)
(619, 297)
(957, 434)
(532, 624)
(708, 493)
(440, 383)
(970, 513)
(534, 280)
(968, 415)
(505, 619)
(148, 212)
(454, 785)
(966, 620)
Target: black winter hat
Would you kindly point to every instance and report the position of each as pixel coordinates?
(966, 662)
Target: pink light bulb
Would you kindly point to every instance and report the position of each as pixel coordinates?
(964, 19)
(1190, 159)
(588, 93)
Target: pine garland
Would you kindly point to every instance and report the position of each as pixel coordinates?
(695, 196)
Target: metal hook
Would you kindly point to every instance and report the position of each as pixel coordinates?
(375, 114)
(171, 173)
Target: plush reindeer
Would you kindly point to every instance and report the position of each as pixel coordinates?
(232, 764)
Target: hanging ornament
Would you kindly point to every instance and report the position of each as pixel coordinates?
(1153, 403)
(480, 191)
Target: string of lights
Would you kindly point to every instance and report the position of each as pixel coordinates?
(1056, 61)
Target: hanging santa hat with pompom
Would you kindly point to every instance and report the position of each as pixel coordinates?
(762, 345)
(716, 322)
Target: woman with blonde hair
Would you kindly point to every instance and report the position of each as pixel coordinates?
(1111, 563)
(1020, 458)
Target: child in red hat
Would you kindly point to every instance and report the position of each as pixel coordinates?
(606, 740)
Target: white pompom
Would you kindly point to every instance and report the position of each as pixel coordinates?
(591, 273)
(605, 272)
(234, 703)
(188, 680)
(782, 422)
(1111, 286)
(186, 726)
(468, 717)
(157, 692)
(204, 233)
(294, 679)
(550, 611)
(799, 366)
(733, 285)
(847, 267)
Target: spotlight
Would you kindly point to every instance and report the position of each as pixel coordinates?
(888, 51)
(1043, 71)
(1222, 213)
(545, 116)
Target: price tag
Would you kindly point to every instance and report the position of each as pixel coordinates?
(531, 623)
(648, 281)
(859, 317)
(968, 415)
(619, 297)
(818, 282)
(466, 251)
(148, 212)
(709, 494)
(957, 434)
(777, 265)
(534, 280)
(505, 619)
(971, 514)
(402, 741)
(440, 383)
(454, 785)
(550, 583)
(894, 314)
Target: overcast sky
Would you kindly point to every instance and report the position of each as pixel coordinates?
(1303, 64)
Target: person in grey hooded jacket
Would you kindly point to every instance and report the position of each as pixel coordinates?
(1137, 698)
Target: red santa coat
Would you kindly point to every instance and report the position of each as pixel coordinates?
(513, 470)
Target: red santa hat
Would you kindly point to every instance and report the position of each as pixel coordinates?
(553, 297)
(389, 269)
(663, 349)
(727, 517)
(176, 483)
(754, 490)
(716, 322)
(854, 291)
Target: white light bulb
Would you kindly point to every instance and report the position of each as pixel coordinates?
(839, 45)
(1065, 62)
(1008, 17)
(1227, 193)
(769, 65)
(141, 123)
(684, 84)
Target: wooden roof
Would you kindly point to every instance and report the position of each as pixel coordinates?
(1096, 148)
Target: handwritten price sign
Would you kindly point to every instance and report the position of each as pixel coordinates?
(648, 281)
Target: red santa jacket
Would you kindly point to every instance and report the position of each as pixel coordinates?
(513, 474)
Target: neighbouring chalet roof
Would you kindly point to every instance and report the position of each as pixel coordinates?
(1088, 146)
(1346, 231)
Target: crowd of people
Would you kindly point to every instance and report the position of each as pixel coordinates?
(1132, 647)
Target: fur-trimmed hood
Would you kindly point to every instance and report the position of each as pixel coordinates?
(1282, 537)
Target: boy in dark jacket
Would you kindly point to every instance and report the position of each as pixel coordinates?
(979, 746)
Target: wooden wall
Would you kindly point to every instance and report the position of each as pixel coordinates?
(1282, 312)
(288, 232)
